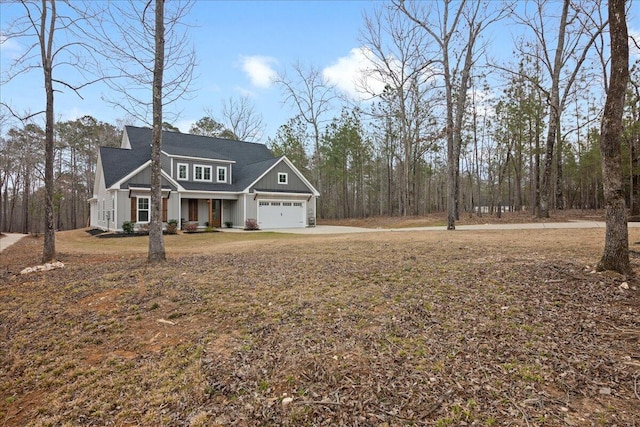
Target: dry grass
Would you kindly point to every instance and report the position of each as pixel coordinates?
(438, 219)
(429, 328)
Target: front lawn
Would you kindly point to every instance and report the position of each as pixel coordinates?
(395, 328)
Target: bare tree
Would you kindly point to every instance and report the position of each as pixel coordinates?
(125, 32)
(616, 250)
(398, 52)
(241, 118)
(46, 27)
(156, 240)
(456, 29)
(311, 96)
(577, 31)
(150, 55)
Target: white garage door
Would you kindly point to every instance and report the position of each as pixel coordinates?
(281, 214)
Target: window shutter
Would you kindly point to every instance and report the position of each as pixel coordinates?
(164, 209)
(134, 209)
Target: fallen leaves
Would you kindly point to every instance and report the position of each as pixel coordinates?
(438, 329)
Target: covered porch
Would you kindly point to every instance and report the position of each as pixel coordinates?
(203, 212)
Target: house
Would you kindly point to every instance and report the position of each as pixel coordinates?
(207, 181)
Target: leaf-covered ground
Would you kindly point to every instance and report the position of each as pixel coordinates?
(383, 329)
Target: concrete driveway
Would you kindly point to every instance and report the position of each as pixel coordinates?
(9, 239)
(335, 229)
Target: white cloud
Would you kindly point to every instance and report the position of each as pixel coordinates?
(185, 125)
(9, 45)
(10, 48)
(353, 74)
(259, 70)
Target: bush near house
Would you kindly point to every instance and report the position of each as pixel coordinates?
(190, 227)
(143, 229)
(251, 224)
(172, 226)
(127, 227)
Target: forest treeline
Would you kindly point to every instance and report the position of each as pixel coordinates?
(436, 125)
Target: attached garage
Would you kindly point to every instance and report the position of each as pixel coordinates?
(281, 214)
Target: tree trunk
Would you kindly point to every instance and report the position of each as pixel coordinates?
(46, 46)
(25, 201)
(560, 202)
(156, 239)
(554, 115)
(616, 251)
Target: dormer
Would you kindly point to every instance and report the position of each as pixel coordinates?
(200, 169)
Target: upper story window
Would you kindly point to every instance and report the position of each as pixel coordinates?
(222, 174)
(183, 171)
(283, 178)
(201, 173)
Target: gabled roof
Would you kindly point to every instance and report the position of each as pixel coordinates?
(251, 160)
(251, 172)
(184, 144)
(121, 161)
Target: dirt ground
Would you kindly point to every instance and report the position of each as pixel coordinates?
(426, 328)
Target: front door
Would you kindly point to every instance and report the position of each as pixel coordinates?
(193, 210)
(215, 215)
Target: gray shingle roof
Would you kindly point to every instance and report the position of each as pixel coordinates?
(251, 159)
(118, 162)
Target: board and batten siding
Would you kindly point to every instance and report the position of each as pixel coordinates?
(252, 207)
(269, 182)
(238, 211)
(228, 207)
(143, 178)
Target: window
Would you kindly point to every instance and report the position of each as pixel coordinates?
(264, 203)
(283, 178)
(222, 174)
(143, 209)
(275, 203)
(201, 173)
(298, 204)
(183, 171)
(286, 203)
(113, 208)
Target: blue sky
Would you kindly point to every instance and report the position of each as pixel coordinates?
(240, 45)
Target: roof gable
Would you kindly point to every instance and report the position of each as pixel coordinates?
(184, 144)
(250, 160)
(119, 162)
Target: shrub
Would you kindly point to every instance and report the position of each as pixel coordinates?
(172, 226)
(228, 224)
(143, 228)
(128, 226)
(251, 224)
(191, 227)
